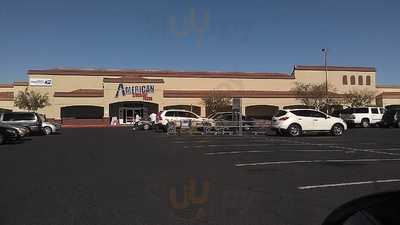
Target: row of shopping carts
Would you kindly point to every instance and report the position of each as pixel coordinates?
(254, 127)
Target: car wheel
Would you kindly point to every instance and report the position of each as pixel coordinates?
(365, 123)
(47, 130)
(294, 130)
(337, 130)
(146, 127)
(2, 139)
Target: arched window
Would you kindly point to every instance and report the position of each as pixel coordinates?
(353, 80)
(344, 80)
(360, 80)
(368, 80)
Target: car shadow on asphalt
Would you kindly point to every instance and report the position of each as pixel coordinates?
(18, 142)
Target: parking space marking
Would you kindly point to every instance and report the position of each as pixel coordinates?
(260, 141)
(347, 184)
(236, 145)
(383, 149)
(352, 149)
(236, 152)
(378, 152)
(313, 161)
(269, 151)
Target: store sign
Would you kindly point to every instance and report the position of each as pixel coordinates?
(40, 82)
(142, 91)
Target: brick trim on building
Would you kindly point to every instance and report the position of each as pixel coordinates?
(21, 83)
(159, 73)
(232, 94)
(6, 85)
(6, 96)
(389, 95)
(336, 68)
(81, 93)
(132, 80)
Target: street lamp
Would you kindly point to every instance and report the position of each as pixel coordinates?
(325, 51)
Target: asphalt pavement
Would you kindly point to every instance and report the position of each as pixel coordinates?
(98, 176)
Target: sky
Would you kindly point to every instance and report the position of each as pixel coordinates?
(250, 36)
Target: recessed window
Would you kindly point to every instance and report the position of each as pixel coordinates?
(353, 80)
(344, 80)
(368, 80)
(360, 80)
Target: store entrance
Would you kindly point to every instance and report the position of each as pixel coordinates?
(128, 115)
(125, 112)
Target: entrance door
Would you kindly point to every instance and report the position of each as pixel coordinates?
(129, 115)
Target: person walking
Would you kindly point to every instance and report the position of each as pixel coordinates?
(137, 118)
(153, 118)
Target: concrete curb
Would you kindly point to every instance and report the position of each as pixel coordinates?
(90, 126)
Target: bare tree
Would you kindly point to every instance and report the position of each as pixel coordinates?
(216, 102)
(314, 95)
(359, 98)
(31, 100)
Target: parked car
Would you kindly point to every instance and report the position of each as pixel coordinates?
(172, 115)
(391, 118)
(8, 134)
(337, 113)
(22, 131)
(49, 127)
(29, 120)
(365, 116)
(227, 118)
(295, 122)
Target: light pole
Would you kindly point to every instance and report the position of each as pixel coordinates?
(325, 51)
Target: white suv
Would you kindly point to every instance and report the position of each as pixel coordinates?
(363, 116)
(295, 122)
(172, 115)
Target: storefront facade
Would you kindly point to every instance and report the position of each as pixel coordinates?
(99, 95)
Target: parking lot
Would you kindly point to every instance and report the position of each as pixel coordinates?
(116, 176)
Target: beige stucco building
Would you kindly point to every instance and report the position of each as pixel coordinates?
(94, 95)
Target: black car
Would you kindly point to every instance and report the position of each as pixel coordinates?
(29, 120)
(391, 118)
(8, 134)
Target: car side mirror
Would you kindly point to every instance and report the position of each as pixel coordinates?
(382, 208)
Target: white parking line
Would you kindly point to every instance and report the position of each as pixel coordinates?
(347, 184)
(383, 149)
(313, 161)
(235, 152)
(240, 141)
(236, 145)
(268, 151)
